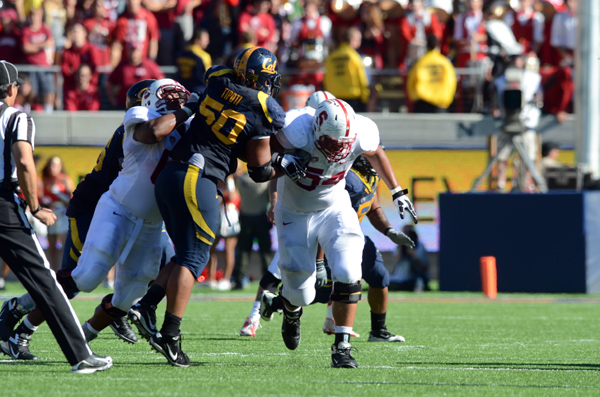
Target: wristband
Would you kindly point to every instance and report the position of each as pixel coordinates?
(187, 111)
(387, 230)
(398, 192)
(39, 208)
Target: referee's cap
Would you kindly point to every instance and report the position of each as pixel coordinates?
(9, 74)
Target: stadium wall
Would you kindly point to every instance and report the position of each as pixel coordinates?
(430, 153)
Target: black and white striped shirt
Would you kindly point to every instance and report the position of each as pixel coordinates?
(24, 130)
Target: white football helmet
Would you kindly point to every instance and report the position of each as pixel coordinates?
(333, 129)
(165, 96)
(317, 97)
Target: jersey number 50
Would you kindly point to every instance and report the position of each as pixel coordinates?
(226, 132)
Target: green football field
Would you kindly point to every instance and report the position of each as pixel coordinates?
(456, 344)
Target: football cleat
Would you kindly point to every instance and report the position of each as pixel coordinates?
(341, 356)
(250, 326)
(329, 328)
(171, 349)
(266, 305)
(123, 330)
(17, 347)
(9, 317)
(290, 328)
(382, 335)
(144, 318)
(92, 364)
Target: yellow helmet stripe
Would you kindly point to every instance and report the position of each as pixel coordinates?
(244, 61)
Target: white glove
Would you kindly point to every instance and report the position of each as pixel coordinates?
(321, 274)
(399, 238)
(403, 203)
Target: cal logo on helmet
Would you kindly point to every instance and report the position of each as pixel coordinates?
(268, 67)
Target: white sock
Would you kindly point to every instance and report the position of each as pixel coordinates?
(340, 329)
(329, 310)
(255, 312)
(29, 325)
(90, 328)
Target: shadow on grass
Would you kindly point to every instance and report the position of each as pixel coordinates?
(531, 366)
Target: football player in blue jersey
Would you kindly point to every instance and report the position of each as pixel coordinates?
(361, 183)
(80, 212)
(238, 115)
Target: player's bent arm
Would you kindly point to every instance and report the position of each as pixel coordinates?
(155, 130)
(381, 163)
(258, 156)
(377, 217)
(28, 179)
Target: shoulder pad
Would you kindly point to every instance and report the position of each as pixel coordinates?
(367, 132)
(273, 112)
(298, 126)
(217, 70)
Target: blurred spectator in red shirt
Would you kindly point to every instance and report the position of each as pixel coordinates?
(38, 46)
(257, 17)
(131, 70)
(10, 36)
(78, 51)
(415, 26)
(469, 34)
(84, 95)
(100, 30)
(528, 26)
(558, 96)
(166, 11)
(310, 37)
(373, 30)
(138, 25)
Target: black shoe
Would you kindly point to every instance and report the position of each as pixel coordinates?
(290, 328)
(341, 356)
(17, 347)
(171, 349)
(383, 335)
(92, 364)
(9, 318)
(144, 318)
(123, 330)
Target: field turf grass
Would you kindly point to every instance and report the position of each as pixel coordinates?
(458, 344)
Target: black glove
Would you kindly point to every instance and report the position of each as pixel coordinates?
(321, 274)
(192, 105)
(293, 166)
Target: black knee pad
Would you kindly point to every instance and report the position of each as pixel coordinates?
(269, 282)
(346, 293)
(110, 309)
(67, 283)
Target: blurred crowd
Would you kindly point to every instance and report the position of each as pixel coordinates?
(103, 46)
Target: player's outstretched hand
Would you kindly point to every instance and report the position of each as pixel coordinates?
(193, 103)
(400, 238)
(403, 203)
(321, 274)
(294, 166)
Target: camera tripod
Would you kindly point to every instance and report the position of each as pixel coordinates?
(516, 140)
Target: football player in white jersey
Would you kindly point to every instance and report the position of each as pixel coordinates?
(127, 226)
(316, 210)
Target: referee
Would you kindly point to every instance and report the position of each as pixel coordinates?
(19, 246)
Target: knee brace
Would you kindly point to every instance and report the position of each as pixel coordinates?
(269, 282)
(67, 283)
(346, 293)
(110, 309)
